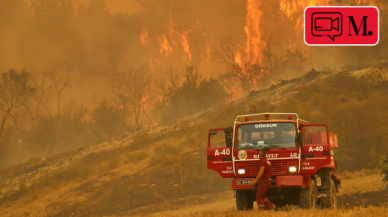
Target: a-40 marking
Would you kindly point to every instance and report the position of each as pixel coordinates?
(224, 152)
(317, 148)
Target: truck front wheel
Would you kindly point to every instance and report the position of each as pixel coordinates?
(330, 201)
(244, 200)
(308, 196)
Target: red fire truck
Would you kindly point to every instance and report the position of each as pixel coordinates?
(302, 155)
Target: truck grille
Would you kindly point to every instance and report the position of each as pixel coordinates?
(278, 167)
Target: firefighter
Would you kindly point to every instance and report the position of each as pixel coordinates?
(264, 177)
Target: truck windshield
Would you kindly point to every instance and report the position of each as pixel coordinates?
(266, 135)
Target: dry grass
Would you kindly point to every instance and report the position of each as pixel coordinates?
(351, 188)
(356, 211)
(371, 211)
(362, 184)
(361, 173)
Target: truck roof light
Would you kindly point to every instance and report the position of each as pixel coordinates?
(246, 119)
(266, 116)
(289, 117)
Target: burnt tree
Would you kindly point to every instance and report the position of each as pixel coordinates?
(132, 92)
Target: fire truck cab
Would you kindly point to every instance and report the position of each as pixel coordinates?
(302, 155)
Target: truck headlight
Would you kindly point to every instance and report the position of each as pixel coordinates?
(241, 171)
(292, 169)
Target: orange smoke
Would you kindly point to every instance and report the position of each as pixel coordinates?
(292, 47)
(144, 37)
(208, 53)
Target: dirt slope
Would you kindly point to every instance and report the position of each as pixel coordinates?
(111, 178)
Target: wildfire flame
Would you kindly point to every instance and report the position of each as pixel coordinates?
(366, 2)
(288, 7)
(185, 45)
(237, 58)
(170, 40)
(174, 40)
(252, 29)
(164, 45)
(291, 7)
(42, 161)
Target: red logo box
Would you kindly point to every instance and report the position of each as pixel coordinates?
(341, 26)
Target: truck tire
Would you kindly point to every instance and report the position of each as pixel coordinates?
(308, 196)
(330, 201)
(251, 200)
(244, 200)
(279, 204)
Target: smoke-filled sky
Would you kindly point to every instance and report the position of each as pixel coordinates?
(94, 39)
(60, 35)
(114, 6)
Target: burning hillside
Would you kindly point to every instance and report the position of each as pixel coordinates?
(104, 97)
(124, 171)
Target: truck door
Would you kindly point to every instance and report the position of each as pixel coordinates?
(316, 148)
(219, 151)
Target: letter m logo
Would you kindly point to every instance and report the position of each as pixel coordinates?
(355, 28)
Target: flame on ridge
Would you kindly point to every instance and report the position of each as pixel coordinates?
(252, 29)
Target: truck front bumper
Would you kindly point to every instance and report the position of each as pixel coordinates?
(242, 183)
(281, 181)
(289, 181)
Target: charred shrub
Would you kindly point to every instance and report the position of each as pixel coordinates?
(106, 122)
(383, 167)
(311, 75)
(192, 96)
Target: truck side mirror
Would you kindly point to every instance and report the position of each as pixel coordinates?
(213, 132)
(299, 138)
(228, 137)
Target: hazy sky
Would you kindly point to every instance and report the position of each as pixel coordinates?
(115, 6)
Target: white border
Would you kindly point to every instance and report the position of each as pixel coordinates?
(304, 26)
